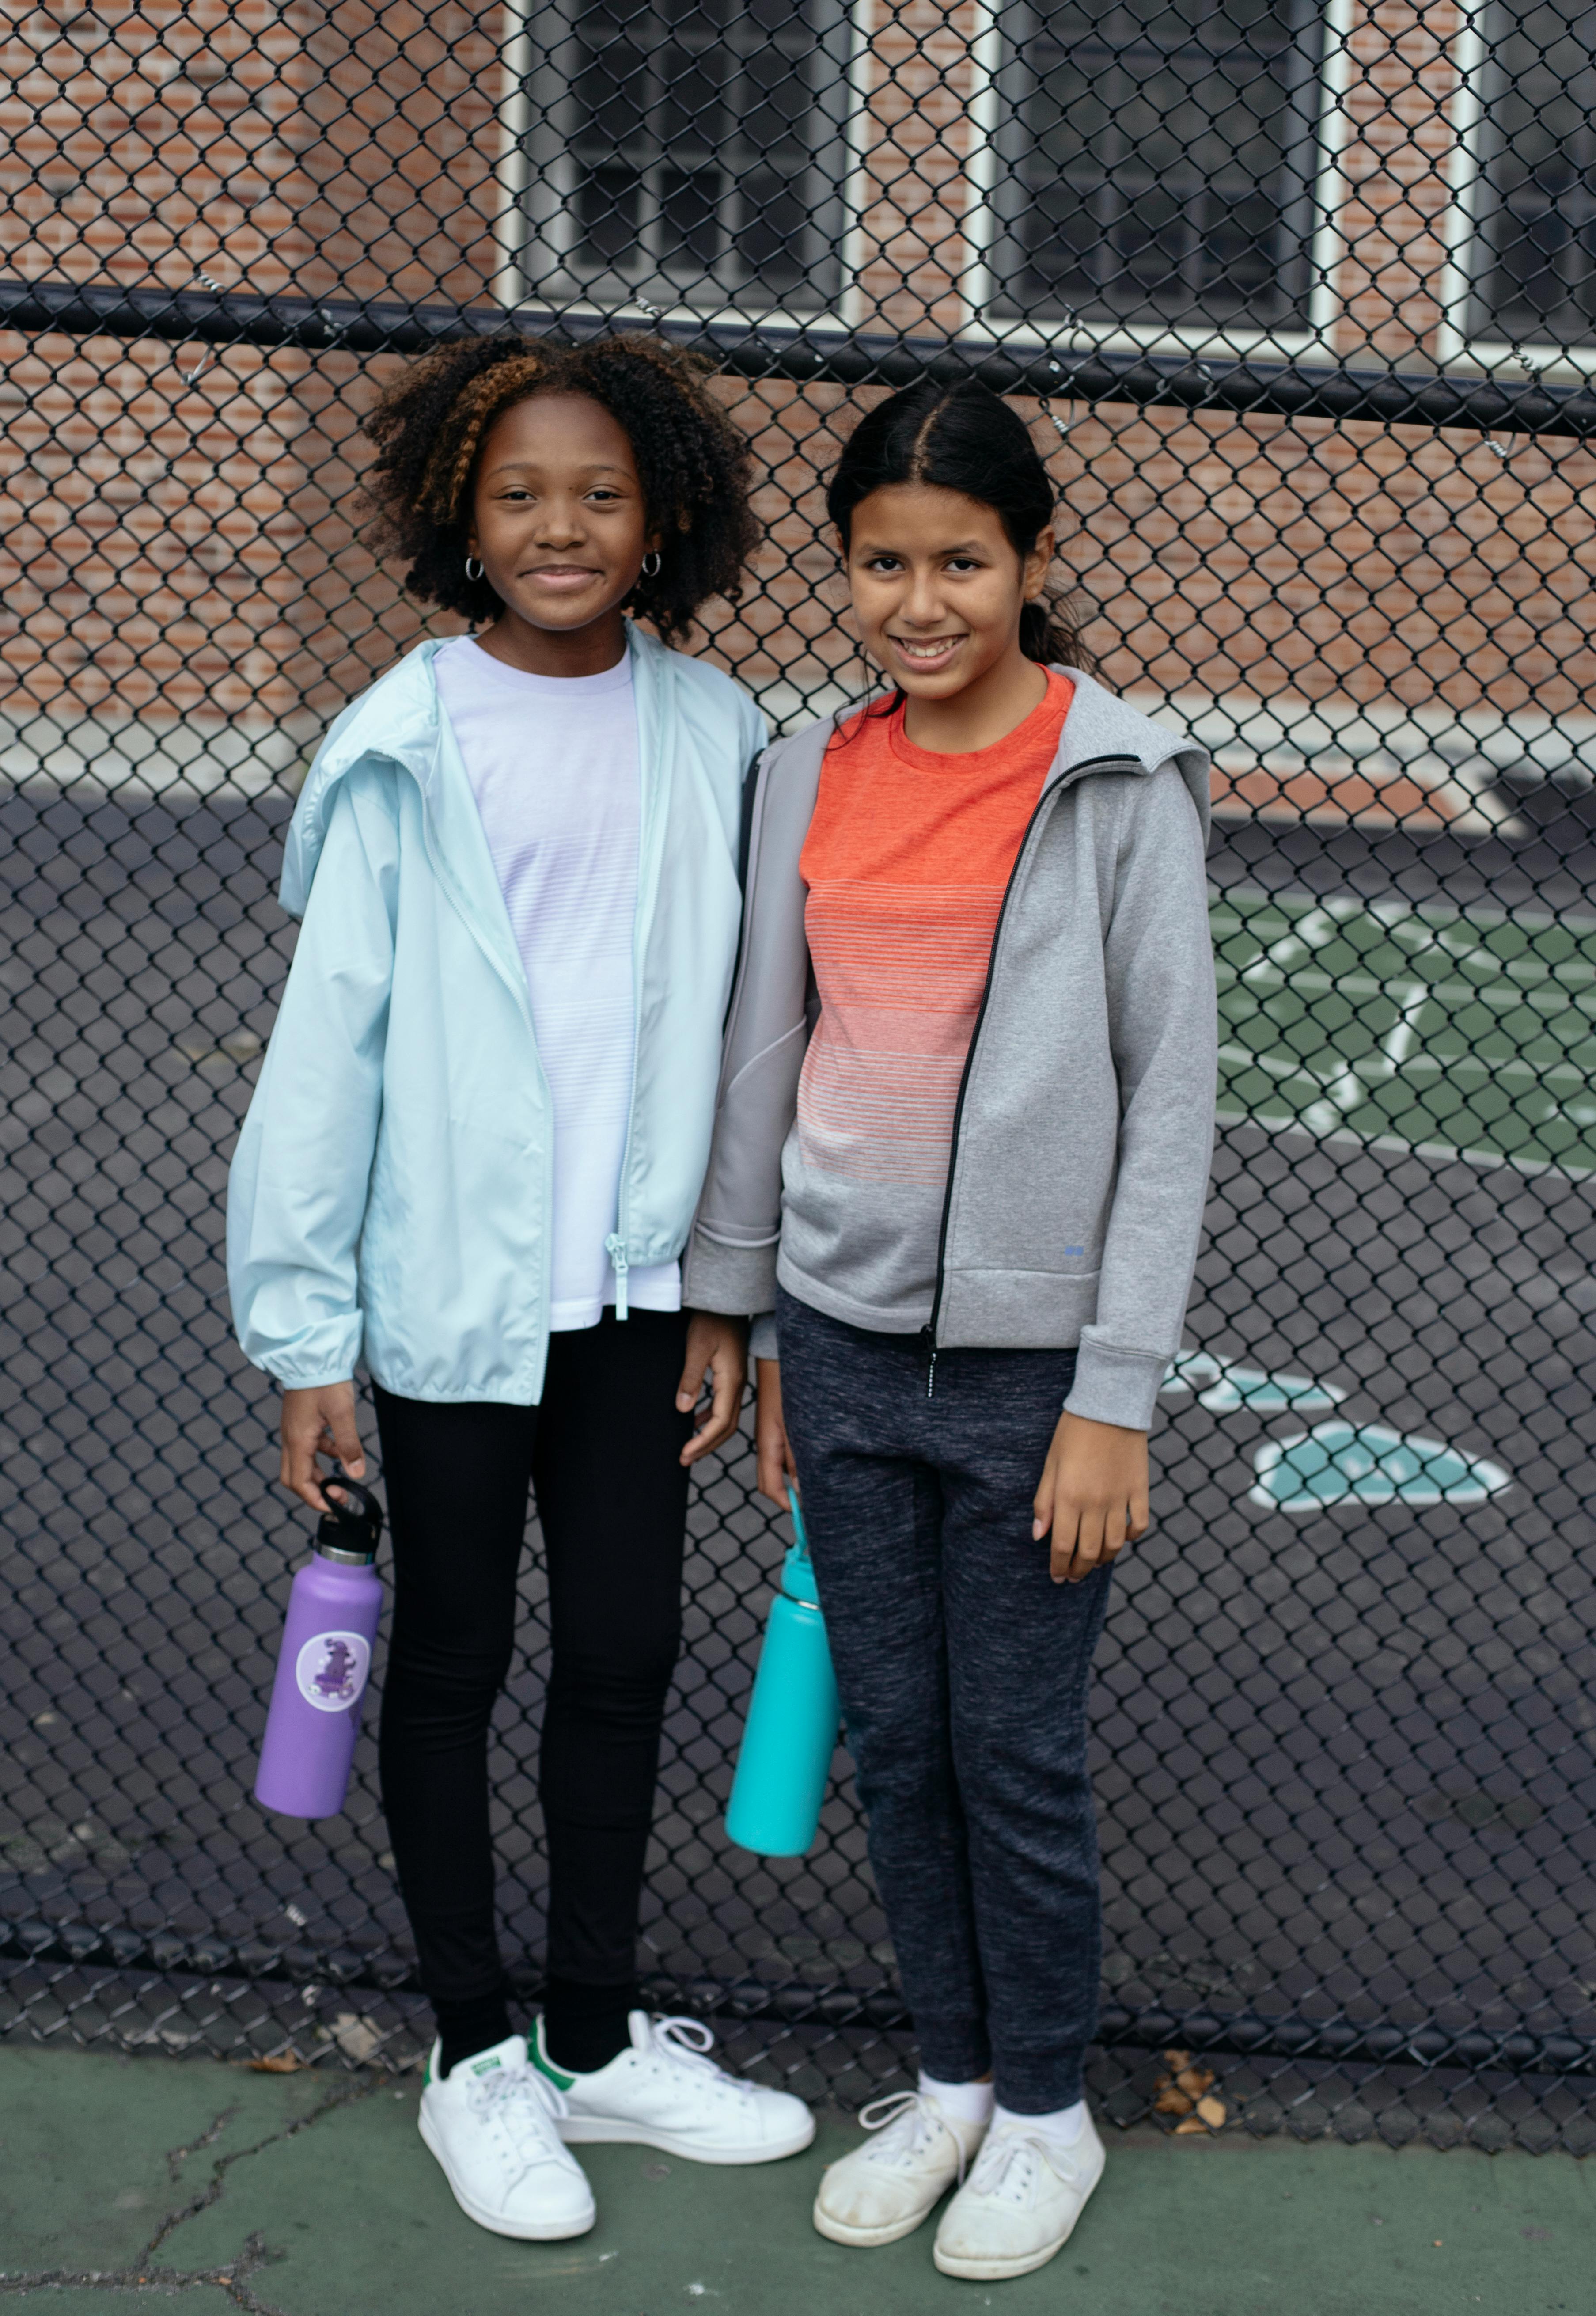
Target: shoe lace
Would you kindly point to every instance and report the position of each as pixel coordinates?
(687, 2043)
(1012, 2152)
(909, 2122)
(521, 2104)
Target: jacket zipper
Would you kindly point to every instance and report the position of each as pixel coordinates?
(615, 1248)
(615, 1245)
(519, 991)
(929, 1331)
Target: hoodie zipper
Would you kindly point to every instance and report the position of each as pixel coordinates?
(929, 1331)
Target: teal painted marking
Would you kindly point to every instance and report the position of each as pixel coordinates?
(1438, 1027)
(1222, 1386)
(1350, 1462)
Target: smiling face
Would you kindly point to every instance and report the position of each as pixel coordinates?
(937, 590)
(559, 522)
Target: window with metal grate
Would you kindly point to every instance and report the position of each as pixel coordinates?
(1157, 162)
(690, 149)
(1534, 195)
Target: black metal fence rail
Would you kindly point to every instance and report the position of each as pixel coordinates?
(1223, 382)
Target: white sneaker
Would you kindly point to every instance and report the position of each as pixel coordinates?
(491, 2123)
(665, 2093)
(884, 2188)
(1019, 2205)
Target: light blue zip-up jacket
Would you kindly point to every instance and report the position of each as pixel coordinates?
(388, 1202)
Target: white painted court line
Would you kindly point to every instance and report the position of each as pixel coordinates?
(1282, 1128)
(1415, 1015)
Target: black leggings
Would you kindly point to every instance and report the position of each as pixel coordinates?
(602, 1453)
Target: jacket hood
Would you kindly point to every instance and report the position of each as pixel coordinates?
(395, 717)
(1100, 725)
(398, 718)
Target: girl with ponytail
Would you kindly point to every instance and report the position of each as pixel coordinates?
(964, 439)
(958, 1174)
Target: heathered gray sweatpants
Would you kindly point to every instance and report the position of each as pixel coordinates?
(963, 1671)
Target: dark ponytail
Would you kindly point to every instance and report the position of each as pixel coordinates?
(964, 437)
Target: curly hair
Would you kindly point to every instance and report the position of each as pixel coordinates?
(695, 468)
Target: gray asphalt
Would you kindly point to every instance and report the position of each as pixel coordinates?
(1344, 1763)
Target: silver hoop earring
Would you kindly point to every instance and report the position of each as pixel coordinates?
(473, 567)
(651, 564)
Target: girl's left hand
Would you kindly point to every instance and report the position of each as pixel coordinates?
(717, 1354)
(1093, 1495)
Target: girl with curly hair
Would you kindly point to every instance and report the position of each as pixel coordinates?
(471, 1162)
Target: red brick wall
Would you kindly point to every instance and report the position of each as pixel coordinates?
(188, 546)
(192, 544)
(303, 149)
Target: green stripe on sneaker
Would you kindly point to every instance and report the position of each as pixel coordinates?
(543, 2063)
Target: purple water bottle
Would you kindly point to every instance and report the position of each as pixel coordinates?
(333, 1614)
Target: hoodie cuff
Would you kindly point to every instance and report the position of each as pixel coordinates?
(716, 1277)
(1113, 1387)
(761, 1337)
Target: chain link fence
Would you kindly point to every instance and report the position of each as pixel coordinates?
(1302, 301)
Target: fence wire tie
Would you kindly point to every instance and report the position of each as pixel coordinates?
(1061, 427)
(1504, 451)
(192, 377)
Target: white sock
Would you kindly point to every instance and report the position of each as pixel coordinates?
(965, 2102)
(1064, 2126)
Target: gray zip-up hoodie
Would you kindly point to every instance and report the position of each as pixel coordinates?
(1085, 1123)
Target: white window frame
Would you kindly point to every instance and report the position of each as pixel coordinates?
(1456, 349)
(515, 231)
(1217, 340)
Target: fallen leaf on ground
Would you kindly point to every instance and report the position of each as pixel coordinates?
(1195, 2080)
(1170, 2101)
(1212, 2111)
(279, 2063)
(1177, 2059)
(1191, 2123)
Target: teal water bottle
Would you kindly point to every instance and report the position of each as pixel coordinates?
(792, 1726)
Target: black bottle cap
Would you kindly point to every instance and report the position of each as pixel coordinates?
(352, 1527)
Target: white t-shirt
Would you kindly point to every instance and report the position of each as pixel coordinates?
(553, 764)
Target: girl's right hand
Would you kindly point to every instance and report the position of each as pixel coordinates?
(777, 1470)
(319, 1422)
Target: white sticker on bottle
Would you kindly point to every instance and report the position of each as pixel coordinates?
(331, 1670)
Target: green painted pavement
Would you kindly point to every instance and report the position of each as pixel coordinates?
(339, 2210)
(1458, 1030)
(96, 2152)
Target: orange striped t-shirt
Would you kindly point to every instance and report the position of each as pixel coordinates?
(906, 862)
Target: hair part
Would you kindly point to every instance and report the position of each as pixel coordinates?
(964, 438)
(695, 468)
